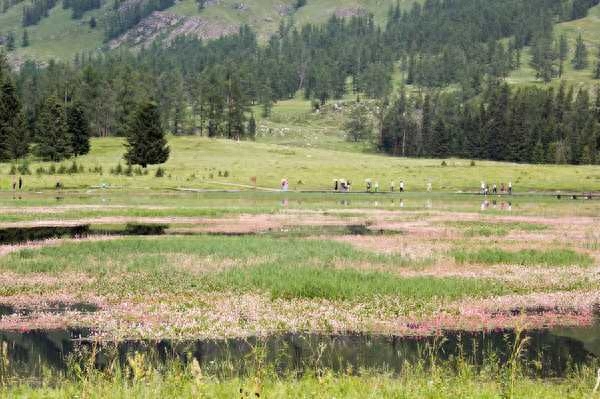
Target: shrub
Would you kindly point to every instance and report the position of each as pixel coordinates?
(160, 172)
(23, 168)
(73, 168)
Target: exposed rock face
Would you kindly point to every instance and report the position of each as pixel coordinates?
(202, 28)
(166, 26)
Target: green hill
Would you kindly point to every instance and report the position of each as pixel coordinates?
(59, 36)
(589, 27)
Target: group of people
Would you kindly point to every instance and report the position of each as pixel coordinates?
(504, 188)
(342, 185)
(17, 184)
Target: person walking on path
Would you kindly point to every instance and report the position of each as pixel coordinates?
(392, 186)
(509, 188)
(14, 185)
(402, 186)
(428, 187)
(494, 189)
(20, 183)
(376, 186)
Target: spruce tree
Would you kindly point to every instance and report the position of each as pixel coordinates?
(441, 139)
(25, 39)
(10, 41)
(251, 127)
(146, 143)
(580, 60)
(597, 68)
(563, 47)
(13, 134)
(79, 129)
(53, 140)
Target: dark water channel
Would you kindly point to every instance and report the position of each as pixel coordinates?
(554, 351)
(18, 235)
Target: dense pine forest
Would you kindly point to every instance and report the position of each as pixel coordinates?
(454, 54)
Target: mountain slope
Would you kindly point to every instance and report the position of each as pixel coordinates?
(59, 36)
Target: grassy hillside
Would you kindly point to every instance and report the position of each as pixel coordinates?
(201, 163)
(589, 27)
(59, 36)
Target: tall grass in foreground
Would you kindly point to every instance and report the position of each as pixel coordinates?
(525, 257)
(139, 377)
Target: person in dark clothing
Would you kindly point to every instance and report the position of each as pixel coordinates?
(20, 182)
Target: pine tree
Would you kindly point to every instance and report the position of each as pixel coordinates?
(79, 129)
(53, 140)
(251, 129)
(426, 126)
(597, 68)
(580, 60)
(10, 41)
(25, 39)
(13, 134)
(563, 47)
(441, 139)
(538, 155)
(146, 143)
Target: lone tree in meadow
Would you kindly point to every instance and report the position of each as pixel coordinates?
(79, 129)
(54, 141)
(146, 143)
(358, 126)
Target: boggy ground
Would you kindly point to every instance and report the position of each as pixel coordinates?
(393, 271)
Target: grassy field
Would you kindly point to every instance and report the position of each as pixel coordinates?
(258, 264)
(197, 162)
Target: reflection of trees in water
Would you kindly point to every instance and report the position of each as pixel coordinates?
(31, 352)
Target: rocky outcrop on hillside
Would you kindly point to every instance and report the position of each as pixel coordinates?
(166, 26)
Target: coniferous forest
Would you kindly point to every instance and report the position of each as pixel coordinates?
(455, 56)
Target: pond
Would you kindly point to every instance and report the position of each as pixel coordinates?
(32, 353)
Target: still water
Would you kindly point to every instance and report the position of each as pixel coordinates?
(552, 351)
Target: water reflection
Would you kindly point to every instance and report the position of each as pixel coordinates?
(553, 351)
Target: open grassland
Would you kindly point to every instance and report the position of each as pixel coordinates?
(315, 268)
(258, 264)
(197, 162)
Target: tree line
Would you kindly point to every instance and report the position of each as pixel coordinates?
(529, 124)
(62, 129)
(208, 87)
